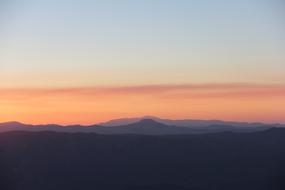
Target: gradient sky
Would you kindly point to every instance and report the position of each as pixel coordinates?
(83, 61)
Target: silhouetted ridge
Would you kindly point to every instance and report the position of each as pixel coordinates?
(149, 122)
(275, 130)
(145, 126)
(12, 123)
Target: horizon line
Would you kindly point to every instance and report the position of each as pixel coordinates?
(142, 118)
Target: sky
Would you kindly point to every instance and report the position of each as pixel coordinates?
(83, 61)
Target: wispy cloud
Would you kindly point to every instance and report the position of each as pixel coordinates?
(181, 90)
(247, 102)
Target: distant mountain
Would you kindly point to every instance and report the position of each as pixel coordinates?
(179, 123)
(153, 127)
(13, 124)
(146, 127)
(143, 127)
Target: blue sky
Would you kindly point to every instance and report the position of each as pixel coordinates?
(111, 42)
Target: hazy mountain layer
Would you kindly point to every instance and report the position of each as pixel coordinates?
(144, 126)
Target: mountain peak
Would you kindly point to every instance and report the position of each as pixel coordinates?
(149, 122)
(11, 123)
(149, 117)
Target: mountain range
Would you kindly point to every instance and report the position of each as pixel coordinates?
(148, 125)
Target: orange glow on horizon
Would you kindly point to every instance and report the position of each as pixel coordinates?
(240, 102)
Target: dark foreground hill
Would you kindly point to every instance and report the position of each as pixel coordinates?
(82, 161)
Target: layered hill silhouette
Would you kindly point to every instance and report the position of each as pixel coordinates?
(180, 123)
(145, 126)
